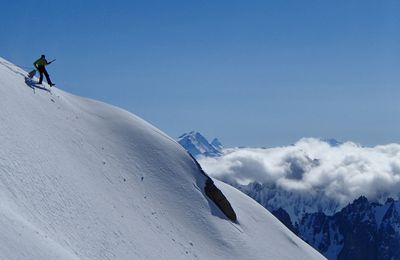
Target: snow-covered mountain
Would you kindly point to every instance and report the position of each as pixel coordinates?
(361, 230)
(196, 144)
(80, 179)
(338, 228)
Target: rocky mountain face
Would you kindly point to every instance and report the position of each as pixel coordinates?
(361, 230)
(295, 204)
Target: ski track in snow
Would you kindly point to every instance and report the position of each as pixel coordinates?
(80, 179)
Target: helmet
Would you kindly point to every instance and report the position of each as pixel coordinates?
(42, 56)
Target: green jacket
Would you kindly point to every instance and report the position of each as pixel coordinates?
(40, 62)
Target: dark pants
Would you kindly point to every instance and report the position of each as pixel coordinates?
(42, 70)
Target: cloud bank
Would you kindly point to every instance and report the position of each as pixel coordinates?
(341, 172)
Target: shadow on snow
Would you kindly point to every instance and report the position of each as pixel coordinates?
(33, 85)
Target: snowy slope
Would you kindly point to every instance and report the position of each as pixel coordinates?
(80, 179)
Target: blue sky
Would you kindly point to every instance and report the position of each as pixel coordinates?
(254, 73)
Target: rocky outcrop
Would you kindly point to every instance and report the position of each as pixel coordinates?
(219, 199)
(214, 194)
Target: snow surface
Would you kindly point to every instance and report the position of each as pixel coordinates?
(80, 179)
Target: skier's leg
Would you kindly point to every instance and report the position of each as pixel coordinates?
(47, 77)
(40, 69)
(40, 77)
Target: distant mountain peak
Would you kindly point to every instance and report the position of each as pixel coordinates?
(196, 144)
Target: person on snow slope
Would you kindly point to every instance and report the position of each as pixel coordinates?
(40, 65)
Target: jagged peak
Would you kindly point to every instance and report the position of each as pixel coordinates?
(197, 144)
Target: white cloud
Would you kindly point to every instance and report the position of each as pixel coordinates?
(341, 173)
